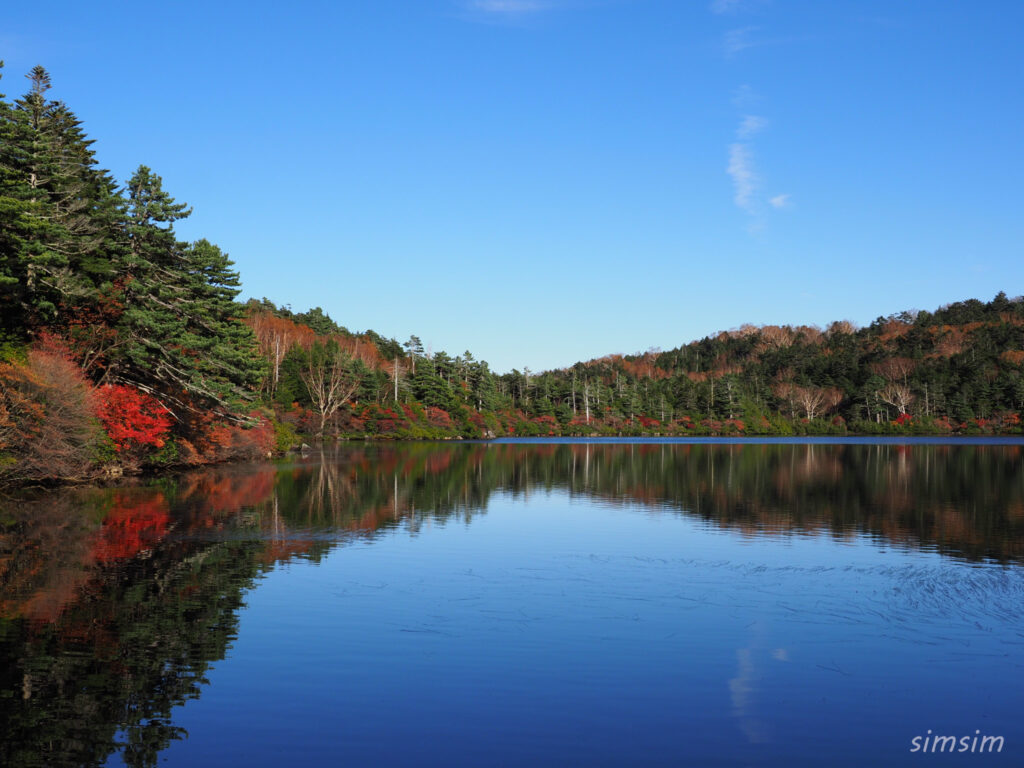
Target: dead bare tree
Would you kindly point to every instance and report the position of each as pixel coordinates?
(897, 395)
(786, 391)
(331, 379)
(841, 328)
(817, 401)
(813, 401)
(776, 337)
(895, 369)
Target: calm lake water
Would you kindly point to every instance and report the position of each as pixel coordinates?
(620, 604)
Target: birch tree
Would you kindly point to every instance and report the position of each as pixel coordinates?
(897, 395)
(330, 377)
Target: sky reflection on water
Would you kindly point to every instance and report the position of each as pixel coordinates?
(511, 604)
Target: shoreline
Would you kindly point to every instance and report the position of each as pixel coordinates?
(109, 478)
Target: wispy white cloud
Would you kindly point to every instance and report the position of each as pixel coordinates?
(750, 125)
(746, 181)
(741, 168)
(518, 12)
(733, 7)
(743, 97)
(737, 40)
(744, 177)
(507, 7)
(725, 6)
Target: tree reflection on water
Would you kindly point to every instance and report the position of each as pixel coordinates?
(115, 601)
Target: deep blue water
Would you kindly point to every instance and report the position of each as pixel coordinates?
(513, 604)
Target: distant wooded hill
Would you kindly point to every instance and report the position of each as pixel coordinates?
(958, 367)
(122, 347)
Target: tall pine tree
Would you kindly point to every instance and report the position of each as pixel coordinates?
(181, 329)
(61, 215)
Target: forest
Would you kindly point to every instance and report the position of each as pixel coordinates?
(124, 349)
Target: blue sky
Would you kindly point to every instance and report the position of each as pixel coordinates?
(543, 181)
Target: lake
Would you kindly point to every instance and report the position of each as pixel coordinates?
(607, 603)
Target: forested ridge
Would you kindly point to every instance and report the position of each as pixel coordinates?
(123, 347)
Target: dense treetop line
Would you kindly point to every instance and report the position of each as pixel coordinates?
(122, 346)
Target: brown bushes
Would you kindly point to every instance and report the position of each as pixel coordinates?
(47, 427)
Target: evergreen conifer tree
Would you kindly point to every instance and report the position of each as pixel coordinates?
(181, 327)
(60, 213)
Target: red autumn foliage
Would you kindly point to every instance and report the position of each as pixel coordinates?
(132, 418)
(377, 419)
(438, 418)
(212, 440)
(545, 425)
(216, 495)
(133, 525)
(91, 328)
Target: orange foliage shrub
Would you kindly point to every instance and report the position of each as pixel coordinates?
(212, 440)
(275, 336)
(47, 426)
